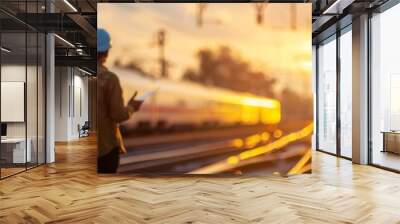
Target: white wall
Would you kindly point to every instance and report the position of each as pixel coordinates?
(12, 73)
(62, 81)
(71, 103)
(33, 127)
(50, 95)
(80, 111)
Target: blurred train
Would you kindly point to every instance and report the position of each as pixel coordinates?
(179, 104)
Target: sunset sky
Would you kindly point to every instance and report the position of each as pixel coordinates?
(273, 47)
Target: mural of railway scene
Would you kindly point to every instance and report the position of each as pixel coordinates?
(226, 87)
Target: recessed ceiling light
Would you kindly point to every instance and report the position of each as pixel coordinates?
(337, 7)
(84, 71)
(70, 5)
(64, 40)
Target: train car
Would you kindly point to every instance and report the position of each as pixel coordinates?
(188, 104)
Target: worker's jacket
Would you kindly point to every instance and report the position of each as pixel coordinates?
(111, 111)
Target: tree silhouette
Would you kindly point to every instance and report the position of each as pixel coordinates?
(221, 68)
(296, 106)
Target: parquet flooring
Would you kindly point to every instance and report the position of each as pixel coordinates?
(70, 191)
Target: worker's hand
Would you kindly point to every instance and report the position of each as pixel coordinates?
(135, 104)
(122, 150)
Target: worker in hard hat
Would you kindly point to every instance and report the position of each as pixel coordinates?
(111, 109)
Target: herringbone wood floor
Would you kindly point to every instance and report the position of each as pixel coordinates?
(70, 191)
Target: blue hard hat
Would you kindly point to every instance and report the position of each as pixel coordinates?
(103, 40)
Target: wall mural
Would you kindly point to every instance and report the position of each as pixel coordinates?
(204, 88)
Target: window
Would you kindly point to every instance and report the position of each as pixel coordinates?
(346, 93)
(385, 89)
(327, 96)
(22, 92)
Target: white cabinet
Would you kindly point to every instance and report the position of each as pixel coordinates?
(16, 147)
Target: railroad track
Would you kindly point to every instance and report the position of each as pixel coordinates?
(188, 152)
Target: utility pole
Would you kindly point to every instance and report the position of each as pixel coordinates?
(260, 12)
(201, 7)
(161, 57)
(293, 16)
